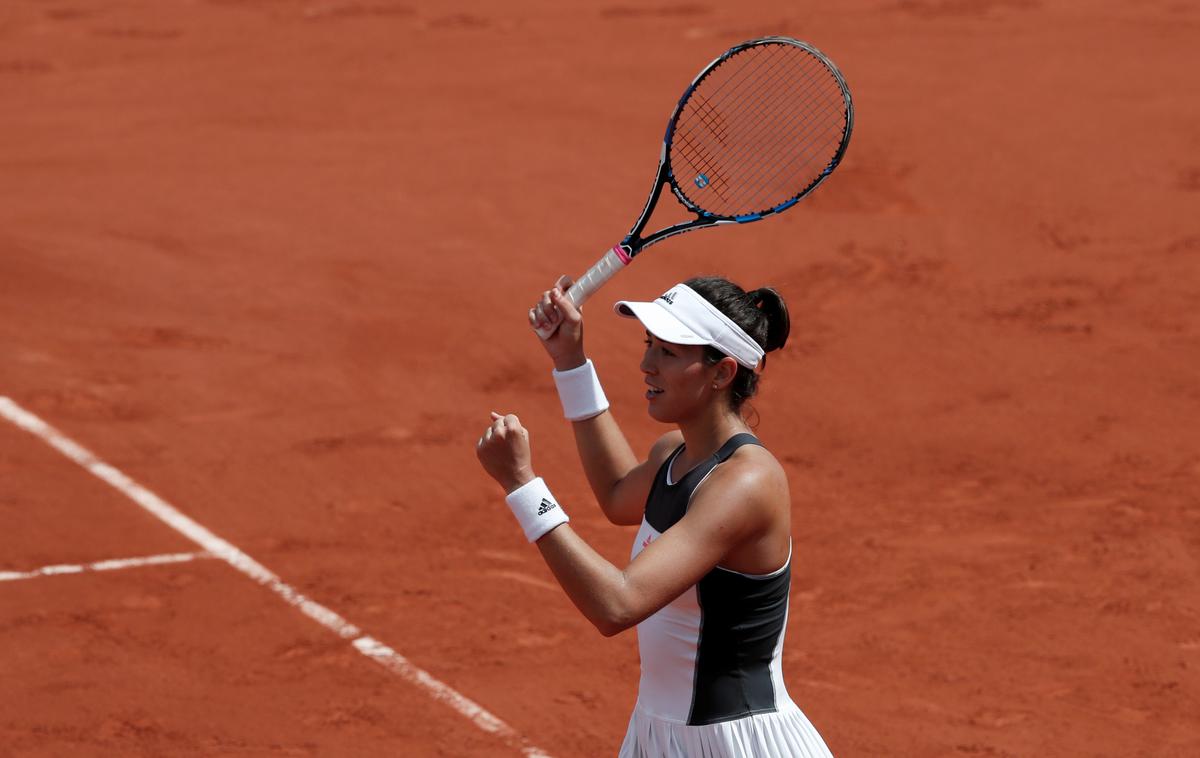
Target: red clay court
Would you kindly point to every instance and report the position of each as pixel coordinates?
(267, 263)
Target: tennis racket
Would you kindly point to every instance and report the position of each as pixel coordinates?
(759, 128)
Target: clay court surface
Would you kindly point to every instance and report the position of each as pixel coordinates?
(270, 260)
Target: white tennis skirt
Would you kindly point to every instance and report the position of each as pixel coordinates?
(782, 734)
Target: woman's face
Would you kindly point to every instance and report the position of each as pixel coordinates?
(678, 380)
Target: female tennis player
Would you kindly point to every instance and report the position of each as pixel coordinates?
(708, 579)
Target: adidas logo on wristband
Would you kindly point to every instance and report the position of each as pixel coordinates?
(535, 509)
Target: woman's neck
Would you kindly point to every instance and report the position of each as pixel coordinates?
(704, 434)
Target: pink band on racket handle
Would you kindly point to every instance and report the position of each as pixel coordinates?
(584, 287)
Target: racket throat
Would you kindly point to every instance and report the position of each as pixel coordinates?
(683, 218)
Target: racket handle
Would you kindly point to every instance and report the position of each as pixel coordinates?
(585, 286)
(612, 262)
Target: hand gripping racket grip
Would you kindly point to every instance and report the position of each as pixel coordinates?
(584, 287)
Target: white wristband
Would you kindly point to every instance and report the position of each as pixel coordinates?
(580, 392)
(536, 509)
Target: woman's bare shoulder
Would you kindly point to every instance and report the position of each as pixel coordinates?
(752, 473)
(760, 459)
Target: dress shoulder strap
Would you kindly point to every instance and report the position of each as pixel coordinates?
(733, 443)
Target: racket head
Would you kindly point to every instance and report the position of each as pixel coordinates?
(759, 128)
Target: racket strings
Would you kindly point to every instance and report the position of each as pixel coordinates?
(807, 146)
(799, 167)
(770, 92)
(760, 129)
(699, 158)
(773, 131)
(702, 155)
(767, 137)
(756, 96)
(698, 148)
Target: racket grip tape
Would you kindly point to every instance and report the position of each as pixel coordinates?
(584, 287)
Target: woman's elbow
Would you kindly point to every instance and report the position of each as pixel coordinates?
(616, 519)
(609, 627)
(611, 622)
(620, 515)
(609, 509)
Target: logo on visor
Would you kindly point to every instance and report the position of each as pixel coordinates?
(668, 296)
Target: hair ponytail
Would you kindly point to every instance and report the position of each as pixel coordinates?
(779, 325)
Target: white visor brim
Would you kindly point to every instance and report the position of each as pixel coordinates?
(684, 317)
(660, 323)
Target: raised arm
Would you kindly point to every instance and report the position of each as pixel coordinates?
(619, 480)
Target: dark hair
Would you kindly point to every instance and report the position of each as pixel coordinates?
(761, 313)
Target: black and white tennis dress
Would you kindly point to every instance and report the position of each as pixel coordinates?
(712, 682)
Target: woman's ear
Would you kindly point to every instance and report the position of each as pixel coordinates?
(726, 370)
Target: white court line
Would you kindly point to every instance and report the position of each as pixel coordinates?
(111, 565)
(225, 551)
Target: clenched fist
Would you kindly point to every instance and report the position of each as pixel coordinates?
(504, 452)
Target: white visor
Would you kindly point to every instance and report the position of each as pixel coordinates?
(685, 318)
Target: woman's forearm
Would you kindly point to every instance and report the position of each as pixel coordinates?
(605, 454)
(595, 586)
